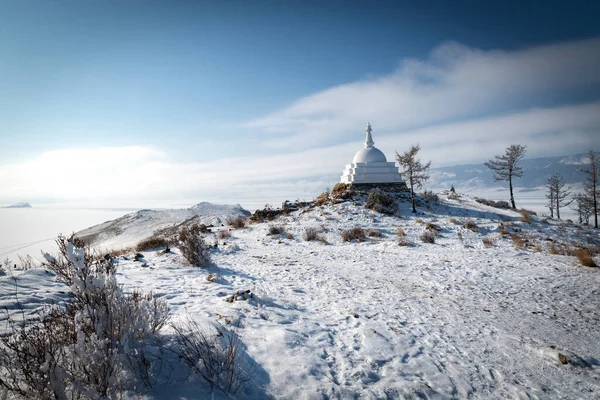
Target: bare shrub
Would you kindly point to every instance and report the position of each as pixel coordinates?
(238, 222)
(311, 234)
(341, 191)
(452, 220)
(435, 228)
(322, 199)
(428, 236)
(403, 241)
(585, 257)
(214, 354)
(373, 233)
(518, 242)
(489, 241)
(152, 243)
(537, 247)
(289, 236)
(192, 246)
(525, 217)
(379, 201)
(357, 234)
(275, 229)
(26, 262)
(430, 196)
(470, 225)
(224, 234)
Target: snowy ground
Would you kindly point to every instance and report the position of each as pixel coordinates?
(454, 319)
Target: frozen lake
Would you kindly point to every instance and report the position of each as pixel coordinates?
(30, 230)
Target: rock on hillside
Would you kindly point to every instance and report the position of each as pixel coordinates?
(131, 228)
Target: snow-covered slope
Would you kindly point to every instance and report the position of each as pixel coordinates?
(330, 319)
(131, 228)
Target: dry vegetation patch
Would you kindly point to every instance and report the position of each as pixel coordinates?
(357, 234)
(470, 225)
(153, 243)
(585, 257)
(428, 236)
(237, 222)
(276, 229)
(313, 234)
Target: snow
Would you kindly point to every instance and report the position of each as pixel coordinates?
(454, 319)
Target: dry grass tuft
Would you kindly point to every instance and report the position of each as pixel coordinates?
(313, 234)
(418, 221)
(428, 236)
(470, 225)
(585, 257)
(224, 234)
(289, 236)
(373, 233)
(237, 222)
(435, 228)
(525, 217)
(518, 242)
(152, 243)
(275, 229)
(489, 241)
(357, 234)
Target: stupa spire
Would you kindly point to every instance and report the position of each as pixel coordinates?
(369, 140)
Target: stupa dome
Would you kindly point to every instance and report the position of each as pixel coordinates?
(370, 166)
(368, 155)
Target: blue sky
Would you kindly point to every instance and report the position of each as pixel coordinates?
(222, 99)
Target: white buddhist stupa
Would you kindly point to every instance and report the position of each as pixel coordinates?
(370, 166)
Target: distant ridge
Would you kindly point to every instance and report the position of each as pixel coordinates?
(19, 205)
(535, 173)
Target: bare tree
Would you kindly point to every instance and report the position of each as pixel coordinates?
(558, 193)
(583, 207)
(414, 172)
(591, 187)
(505, 167)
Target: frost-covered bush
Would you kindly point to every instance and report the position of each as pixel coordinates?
(379, 201)
(82, 348)
(192, 246)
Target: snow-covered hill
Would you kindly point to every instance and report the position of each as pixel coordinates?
(460, 318)
(131, 228)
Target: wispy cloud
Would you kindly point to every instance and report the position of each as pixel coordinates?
(455, 82)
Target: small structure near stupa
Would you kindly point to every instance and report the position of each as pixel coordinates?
(369, 168)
